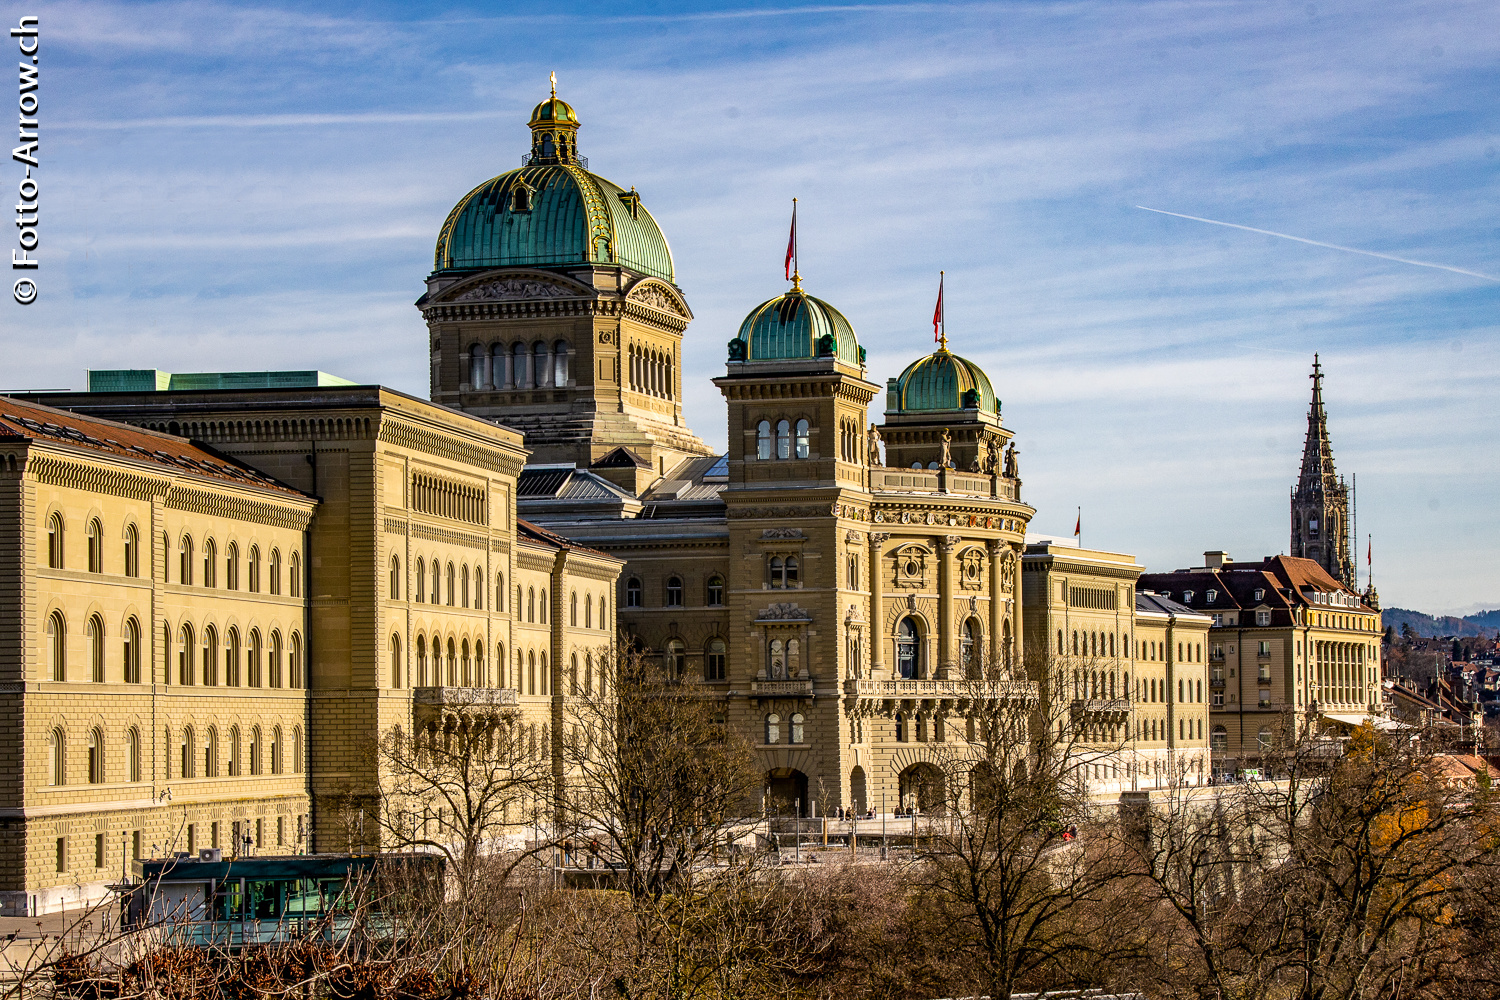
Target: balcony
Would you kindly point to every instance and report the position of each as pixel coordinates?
(893, 694)
(973, 484)
(1101, 708)
(781, 689)
(463, 697)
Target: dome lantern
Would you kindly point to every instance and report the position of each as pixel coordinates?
(554, 132)
(796, 327)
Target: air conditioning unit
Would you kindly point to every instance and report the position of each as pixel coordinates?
(211, 855)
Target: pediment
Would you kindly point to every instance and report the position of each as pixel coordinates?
(658, 295)
(522, 286)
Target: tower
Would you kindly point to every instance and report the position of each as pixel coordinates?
(1320, 500)
(553, 308)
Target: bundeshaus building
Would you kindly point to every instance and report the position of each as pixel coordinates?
(224, 586)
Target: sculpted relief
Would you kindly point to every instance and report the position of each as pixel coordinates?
(516, 288)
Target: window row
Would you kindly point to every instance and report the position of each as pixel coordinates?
(251, 660)
(464, 588)
(460, 663)
(787, 441)
(534, 365)
(673, 591)
(248, 753)
(588, 610)
(911, 653)
(715, 659)
(186, 564)
(129, 552)
(795, 730)
(652, 372)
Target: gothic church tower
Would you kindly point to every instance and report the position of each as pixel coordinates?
(1320, 500)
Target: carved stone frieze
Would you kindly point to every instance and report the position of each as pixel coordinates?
(785, 611)
(515, 288)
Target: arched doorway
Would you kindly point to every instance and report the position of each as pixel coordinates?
(922, 788)
(908, 650)
(786, 792)
(858, 795)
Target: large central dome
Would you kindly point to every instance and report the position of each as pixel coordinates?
(552, 212)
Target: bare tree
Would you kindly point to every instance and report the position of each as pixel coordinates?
(459, 784)
(1030, 890)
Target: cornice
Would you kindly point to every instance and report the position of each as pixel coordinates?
(404, 434)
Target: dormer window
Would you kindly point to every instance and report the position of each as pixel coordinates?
(520, 198)
(1187, 597)
(1211, 596)
(1260, 595)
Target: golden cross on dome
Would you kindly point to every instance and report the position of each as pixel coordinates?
(553, 77)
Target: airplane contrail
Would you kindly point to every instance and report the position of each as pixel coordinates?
(1318, 243)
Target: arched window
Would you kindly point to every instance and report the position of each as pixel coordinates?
(500, 665)
(232, 657)
(1263, 739)
(500, 592)
(252, 569)
(804, 449)
(714, 660)
(560, 364)
(275, 570)
(295, 679)
(297, 750)
(275, 749)
(395, 661)
(452, 590)
(232, 567)
(209, 659)
(763, 440)
(783, 439)
(57, 753)
(210, 563)
(603, 619)
(93, 629)
(968, 651)
(541, 365)
(797, 728)
(185, 561)
(57, 645)
(132, 652)
(714, 595)
(211, 753)
(421, 577)
(531, 672)
(452, 679)
(55, 542)
(236, 760)
(95, 534)
(187, 764)
(253, 660)
(132, 551)
(674, 591)
(465, 676)
(777, 571)
(395, 587)
(542, 609)
(96, 756)
(421, 661)
(252, 752)
(908, 649)
(478, 588)
(790, 580)
(676, 658)
(294, 576)
(273, 661)
(520, 370)
(773, 728)
(437, 583)
(632, 593)
(1218, 739)
(777, 668)
(185, 653)
(531, 604)
(132, 754)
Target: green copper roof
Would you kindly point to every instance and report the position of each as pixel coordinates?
(793, 326)
(551, 215)
(941, 381)
(156, 380)
(553, 110)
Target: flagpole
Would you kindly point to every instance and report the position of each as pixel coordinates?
(942, 315)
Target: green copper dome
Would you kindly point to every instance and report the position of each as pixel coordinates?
(552, 212)
(941, 381)
(795, 326)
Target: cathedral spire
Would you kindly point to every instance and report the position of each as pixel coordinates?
(1320, 500)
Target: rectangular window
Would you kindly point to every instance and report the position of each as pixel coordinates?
(62, 854)
(1265, 648)
(98, 850)
(1262, 618)
(1265, 697)
(1218, 699)
(135, 845)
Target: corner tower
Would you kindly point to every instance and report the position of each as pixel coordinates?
(553, 308)
(1320, 500)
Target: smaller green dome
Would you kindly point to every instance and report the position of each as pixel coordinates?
(795, 326)
(553, 109)
(941, 381)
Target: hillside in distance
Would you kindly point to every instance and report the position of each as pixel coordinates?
(1482, 623)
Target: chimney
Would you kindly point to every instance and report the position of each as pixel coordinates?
(1216, 559)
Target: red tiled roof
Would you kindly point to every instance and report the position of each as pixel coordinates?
(21, 421)
(527, 531)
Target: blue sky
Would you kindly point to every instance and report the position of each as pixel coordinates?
(250, 186)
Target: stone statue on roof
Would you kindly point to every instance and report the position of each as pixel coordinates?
(947, 462)
(1012, 466)
(874, 443)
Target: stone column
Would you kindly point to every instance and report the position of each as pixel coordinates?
(998, 550)
(945, 569)
(1018, 658)
(877, 611)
